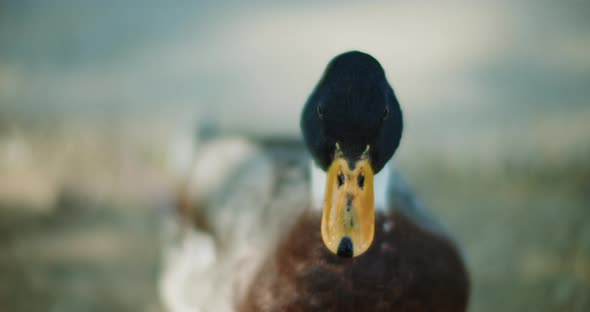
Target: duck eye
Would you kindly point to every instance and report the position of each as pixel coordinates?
(385, 113)
(320, 111)
(340, 179)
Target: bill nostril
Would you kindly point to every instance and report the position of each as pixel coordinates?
(345, 247)
(340, 179)
(361, 181)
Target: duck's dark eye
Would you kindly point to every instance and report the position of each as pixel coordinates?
(385, 113)
(340, 179)
(320, 111)
(361, 181)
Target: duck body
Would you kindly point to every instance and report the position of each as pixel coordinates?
(407, 268)
(352, 125)
(271, 235)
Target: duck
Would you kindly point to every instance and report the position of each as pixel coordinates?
(326, 223)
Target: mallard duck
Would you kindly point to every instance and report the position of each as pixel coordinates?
(344, 235)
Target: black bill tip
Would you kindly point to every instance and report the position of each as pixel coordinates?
(345, 247)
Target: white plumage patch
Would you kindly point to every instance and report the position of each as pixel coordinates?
(248, 202)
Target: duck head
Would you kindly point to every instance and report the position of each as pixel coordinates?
(352, 126)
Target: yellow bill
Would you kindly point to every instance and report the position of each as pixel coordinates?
(348, 215)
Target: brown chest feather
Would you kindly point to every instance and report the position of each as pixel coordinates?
(405, 269)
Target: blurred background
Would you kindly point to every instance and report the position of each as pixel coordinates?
(100, 101)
